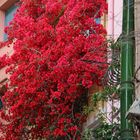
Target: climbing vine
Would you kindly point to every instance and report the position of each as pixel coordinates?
(107, 116)
(59, 52)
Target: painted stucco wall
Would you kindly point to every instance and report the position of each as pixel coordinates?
(114, 27)
(4, 5)
(137, 41)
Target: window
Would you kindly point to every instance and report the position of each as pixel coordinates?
(9, 14)
(98, 20)
(7, 10)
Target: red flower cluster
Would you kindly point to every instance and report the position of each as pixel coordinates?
(59, 52)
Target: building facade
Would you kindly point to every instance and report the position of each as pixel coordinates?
(7, 10)
(113, 24)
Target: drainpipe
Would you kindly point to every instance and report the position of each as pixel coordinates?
(127, 68)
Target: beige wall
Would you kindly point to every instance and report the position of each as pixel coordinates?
(92, 120)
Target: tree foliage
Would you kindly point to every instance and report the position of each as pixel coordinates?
(59, 51)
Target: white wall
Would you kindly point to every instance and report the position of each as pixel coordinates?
(114, 27)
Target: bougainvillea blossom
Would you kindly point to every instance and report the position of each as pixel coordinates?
(59, 51)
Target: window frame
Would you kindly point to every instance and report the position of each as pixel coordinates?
(4, 6)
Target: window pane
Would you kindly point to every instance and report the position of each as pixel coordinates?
(98, 20)
(9, 14)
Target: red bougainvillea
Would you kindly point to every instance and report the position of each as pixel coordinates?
(59, 51)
